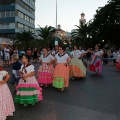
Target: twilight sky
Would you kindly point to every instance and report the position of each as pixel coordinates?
(68, 12)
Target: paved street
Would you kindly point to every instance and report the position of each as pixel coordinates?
(92, 98)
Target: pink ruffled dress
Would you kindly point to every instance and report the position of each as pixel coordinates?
(28, 92)
(6, 101)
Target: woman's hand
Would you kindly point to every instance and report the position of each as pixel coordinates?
(66, 64)
(24, 77)
(48, 63)
(2, 82)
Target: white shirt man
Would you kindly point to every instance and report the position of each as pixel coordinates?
(7, 53)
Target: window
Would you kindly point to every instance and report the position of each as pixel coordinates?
(12, 13)
(26, 28)
(27, 8)
(7, 25)
(2, 14)
(33, 2)
(32, 21)
(8, 14)
(0, 26)
(32, 11)
(20, 26)
(28, 19)
(20, 14)
(31, 29)
(12, 26)
(25, 17)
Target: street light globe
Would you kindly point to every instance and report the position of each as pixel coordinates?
(102, 40)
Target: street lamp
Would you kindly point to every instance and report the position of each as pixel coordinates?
(56, 14)
(56, 41)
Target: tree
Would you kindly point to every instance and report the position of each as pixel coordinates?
(80, 35)
(24, 39)
(46, 34)
(106, 23)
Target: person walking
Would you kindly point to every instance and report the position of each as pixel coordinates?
(96, 64)
(45, 71)
(77, 68)
(61, 71)
(7, 56)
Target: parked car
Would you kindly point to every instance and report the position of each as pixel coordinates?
(21, 53)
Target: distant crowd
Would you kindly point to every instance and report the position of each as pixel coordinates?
(109, 57)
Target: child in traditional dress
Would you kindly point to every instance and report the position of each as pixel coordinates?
(28, 89)
(45, 72)
(61, 72)
(6, 100)
(16, 65)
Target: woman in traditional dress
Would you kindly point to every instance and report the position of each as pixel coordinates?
(118, 60)
(45, 72)
(6, 100)
(28, 89)
(96, 64)
(61, 71)
(77, 68)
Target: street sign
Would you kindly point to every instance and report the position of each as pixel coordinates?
(56, 42)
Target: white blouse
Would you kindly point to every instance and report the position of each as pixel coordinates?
(46, 59)
(61, 59)
(99, 52)
(3, 73)
(29, 69)
(76, 53)
(118, 53)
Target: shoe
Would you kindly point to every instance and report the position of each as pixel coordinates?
(15, 91)
(95, 74)
(98, 74)
(62, 89)
(73, 78)
(46, 85)
(25, 105)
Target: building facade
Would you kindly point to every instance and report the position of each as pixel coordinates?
(16, 16)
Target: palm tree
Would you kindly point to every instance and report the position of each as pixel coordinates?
(79, 36)
(24, 39)
(46, 34)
